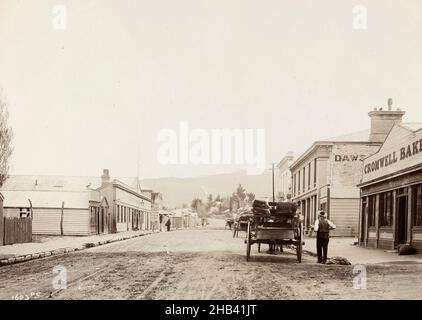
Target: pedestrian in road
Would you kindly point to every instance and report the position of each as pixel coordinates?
(322, 227)
(168, 224)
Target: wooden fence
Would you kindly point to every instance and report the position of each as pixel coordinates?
(17, 230)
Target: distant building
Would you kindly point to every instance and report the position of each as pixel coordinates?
(129, 207)
(78, 205)
(391, 191)
(58, 205)
(326, 175)
(284, 178)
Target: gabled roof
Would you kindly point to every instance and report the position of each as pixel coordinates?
(412, 126)
(358, 136)
(361, 136)
(50, 199)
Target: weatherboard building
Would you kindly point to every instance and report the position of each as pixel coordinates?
(391, 191)
(326, 176)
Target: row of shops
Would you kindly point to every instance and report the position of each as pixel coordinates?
(369, 182)
(79, 205)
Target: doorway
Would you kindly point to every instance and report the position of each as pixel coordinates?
(401, 229)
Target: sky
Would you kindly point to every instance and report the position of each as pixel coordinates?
(97, 93)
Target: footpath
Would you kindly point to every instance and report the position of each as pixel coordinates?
(344, 247)
(55, 245)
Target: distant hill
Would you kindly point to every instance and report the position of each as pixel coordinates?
(177, 191)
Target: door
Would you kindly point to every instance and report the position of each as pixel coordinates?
(362, 222)
(401, 229)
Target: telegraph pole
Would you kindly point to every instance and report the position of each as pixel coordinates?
(273, 182)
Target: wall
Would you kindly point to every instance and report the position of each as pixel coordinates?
(344, 213)
(47, 221)
(346, 164)
(1, 221)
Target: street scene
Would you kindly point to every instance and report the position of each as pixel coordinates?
(210, 150)
(205, 263)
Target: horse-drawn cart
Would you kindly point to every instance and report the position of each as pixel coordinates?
(241, 222)
(282, 226)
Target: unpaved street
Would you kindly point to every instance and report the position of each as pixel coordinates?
(201, 264)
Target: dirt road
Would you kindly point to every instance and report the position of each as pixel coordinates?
(201, 264)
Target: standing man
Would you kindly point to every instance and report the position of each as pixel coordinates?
(168, 224)
(322, 227)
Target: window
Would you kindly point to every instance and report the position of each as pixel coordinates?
(386, 209)
(304, 169)
(24, 213)
(124, 214)
(298, 182)
(294, 184)
(309, 176)
(417, 205)
(371, 211)
(315, 171)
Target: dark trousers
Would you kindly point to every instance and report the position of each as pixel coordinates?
(322, 248)
(168, 227)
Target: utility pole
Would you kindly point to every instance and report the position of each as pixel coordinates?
(273, 182)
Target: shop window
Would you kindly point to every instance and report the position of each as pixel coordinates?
(371, 211)
(386, 209)
(417, 205)
(93, 220)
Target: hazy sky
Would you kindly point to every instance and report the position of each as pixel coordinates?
(96, 94)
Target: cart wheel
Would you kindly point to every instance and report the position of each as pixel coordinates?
(299, 252)
(259, 247)
(248, 242)
(299, 244)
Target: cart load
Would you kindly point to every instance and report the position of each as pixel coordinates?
(279, 225)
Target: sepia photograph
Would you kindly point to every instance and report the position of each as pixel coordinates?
(185, 151)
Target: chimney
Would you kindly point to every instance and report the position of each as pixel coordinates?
(105, 178)
(383, 120)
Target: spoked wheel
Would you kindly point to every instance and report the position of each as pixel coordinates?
(299, 245)
(299, 251)
(248, 242)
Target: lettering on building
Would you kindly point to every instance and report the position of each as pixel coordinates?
(348, 157)
(403, 153)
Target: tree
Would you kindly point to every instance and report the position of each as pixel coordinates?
(196, 203)
(241, 192)
(251, 196)
(6, 147)
(209, 202)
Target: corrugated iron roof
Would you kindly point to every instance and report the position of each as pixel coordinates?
(49, 199)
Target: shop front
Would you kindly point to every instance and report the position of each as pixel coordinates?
(391, 191)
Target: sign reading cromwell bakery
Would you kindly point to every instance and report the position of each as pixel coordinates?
(403, 151)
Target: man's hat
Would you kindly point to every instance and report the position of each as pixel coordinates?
(322, 213)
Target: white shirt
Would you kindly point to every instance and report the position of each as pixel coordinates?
(316, 225)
